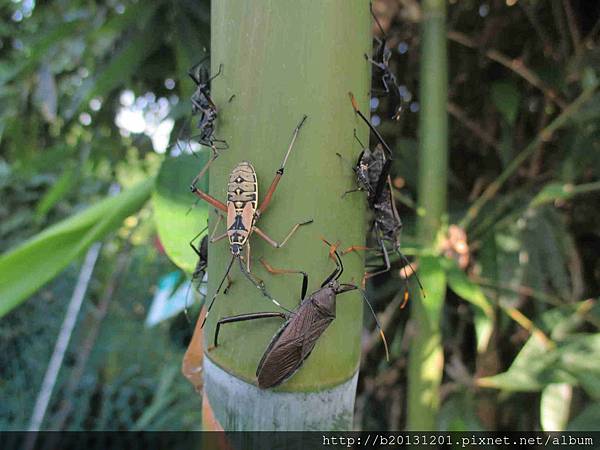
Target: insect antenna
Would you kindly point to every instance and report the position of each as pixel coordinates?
(369, 124)
(294, 136)
(377, 21)
(212, 301)
(407, 263)
(339, 266)
(344, 287)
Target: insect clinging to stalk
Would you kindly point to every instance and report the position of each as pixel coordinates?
(200, 270)
(297, 337)
(243, 211)
(373, 175)
(203, 104)
(381, 61)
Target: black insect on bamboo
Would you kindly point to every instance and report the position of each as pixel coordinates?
(373, 175)
(201, 250)
(297, 337)
(204, 106)
(381, 60)
(243, 211)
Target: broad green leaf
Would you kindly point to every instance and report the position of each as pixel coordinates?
(554, 406)
(177, 218)
(506, 97)
(28, 267)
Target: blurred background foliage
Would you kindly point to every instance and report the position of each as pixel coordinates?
(93, 95)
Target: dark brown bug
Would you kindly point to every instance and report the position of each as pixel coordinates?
(373, 175)
(297, 337)
(243, 212)
(381, 61)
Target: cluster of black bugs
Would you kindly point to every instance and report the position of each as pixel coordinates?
(302, 327)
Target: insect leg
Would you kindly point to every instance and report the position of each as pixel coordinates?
(212, 238)
(207, 198)
(212, 301)
(276, 244)
(216, 74)
(243, 318)
(193, 72)
(259, 284)
(265, 203)
(371, 127)
(339, 266)
(386, 258)
(197, 250)
(274, 271)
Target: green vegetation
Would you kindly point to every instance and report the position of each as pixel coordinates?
(495, 175)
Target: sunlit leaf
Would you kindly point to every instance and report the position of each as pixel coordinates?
(554, 406)
(177, 218)
(32, 264)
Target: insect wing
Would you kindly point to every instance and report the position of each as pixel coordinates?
(292, 344)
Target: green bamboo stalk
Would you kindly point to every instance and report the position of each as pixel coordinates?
(426, 356)
(283, 59)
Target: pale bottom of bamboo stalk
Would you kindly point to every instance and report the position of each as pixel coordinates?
(241, 406)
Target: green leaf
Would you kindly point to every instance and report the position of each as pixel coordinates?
(177, 219)
(562, 191)
(471, 292)
(530, 371)
(554, 406)
(575, 361)
(506, 97)
(28, 267)
(56, 192)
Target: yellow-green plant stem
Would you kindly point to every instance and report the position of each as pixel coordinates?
(426, 355)
(283, 59)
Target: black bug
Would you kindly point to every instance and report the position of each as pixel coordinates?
(297, 337)
(202, 252)
(200, 270)
(373, 175)
(381, 60)
(204, 106)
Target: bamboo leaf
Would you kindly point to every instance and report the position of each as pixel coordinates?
(28, 267)
(56, 192)
(177, 219)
